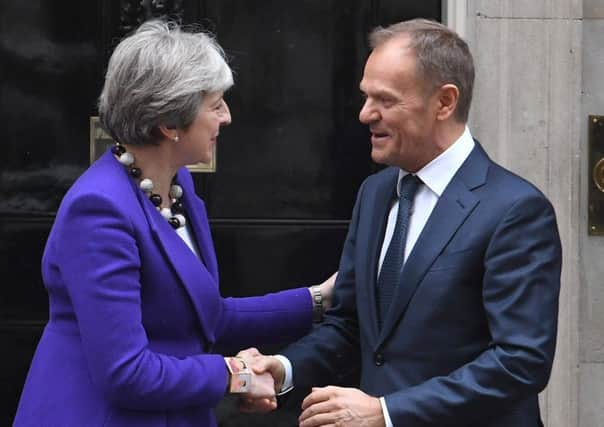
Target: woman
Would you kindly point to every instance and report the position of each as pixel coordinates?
(129, 265)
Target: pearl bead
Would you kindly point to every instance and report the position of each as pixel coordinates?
(177, 207)
(155, 199)
(173, 215)
(166, 213)
(118, 150)
(176, 191)
(126, 159)
(181, 219)
(135, 173)
(146, 184)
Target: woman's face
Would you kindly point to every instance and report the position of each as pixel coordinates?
(200, 137)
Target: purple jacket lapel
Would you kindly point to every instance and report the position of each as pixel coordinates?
(198, 219)
(188, 268)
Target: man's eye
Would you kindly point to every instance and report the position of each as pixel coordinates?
(387, 102)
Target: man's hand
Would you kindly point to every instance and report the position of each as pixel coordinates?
(327, 291)
(261, 366)
(339, 406)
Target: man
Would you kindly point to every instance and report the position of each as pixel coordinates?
(466, 333)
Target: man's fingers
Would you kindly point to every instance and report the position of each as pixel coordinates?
(261, 365)
(257, 405)
(316, 409)
(323, 420)
(250, 352)
(318, 394)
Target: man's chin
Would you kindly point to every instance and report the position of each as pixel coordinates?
(379, 157)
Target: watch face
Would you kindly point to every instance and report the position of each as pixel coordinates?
(241, 377)
(241, 382)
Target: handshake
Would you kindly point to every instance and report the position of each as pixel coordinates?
(324, 406)
(257, 378)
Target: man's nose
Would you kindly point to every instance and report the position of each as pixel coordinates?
(368, 114)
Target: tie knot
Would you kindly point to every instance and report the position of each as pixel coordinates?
(409, 185)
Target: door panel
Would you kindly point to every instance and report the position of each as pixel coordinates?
(295, 148)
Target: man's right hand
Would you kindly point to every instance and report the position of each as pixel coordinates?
(261, 364)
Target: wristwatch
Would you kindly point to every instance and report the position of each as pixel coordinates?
(240, 375)
(317, 304)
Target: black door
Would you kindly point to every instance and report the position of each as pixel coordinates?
(287, 168)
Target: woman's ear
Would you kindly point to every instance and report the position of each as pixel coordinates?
(168, 132)
(448, 95)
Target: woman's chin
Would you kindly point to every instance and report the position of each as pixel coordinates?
(205, 159)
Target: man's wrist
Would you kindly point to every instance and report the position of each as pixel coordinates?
(317, 303)
(286, 381)
(387, 420)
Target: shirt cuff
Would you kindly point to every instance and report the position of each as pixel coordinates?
(387, 419)
(288, 381)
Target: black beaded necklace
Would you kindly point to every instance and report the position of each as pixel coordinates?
(175, 213)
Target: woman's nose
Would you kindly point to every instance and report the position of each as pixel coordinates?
(226, 114)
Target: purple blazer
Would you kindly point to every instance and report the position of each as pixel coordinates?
(134, 314)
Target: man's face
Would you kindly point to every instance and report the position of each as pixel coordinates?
(400, 112)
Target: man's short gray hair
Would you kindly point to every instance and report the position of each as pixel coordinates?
(157, 77)
(442, 57)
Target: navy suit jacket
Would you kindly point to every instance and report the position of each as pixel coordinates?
(135, 315)
(470, 337)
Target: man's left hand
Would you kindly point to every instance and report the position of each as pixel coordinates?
(339, 406)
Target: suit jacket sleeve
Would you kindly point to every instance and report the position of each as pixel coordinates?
(520, 296)
(100, 267)
(331, 352)
(277, 318)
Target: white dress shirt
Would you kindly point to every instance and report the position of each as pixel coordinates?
(185, 234)
(435, 177)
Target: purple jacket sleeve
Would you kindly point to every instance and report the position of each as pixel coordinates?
(277, 318)
(99, 265)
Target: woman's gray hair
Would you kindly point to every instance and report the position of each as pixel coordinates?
(442, 57)
(157, 77)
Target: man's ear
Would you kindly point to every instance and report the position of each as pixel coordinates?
(448, 95)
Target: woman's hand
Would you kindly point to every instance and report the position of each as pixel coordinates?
(261, 368)
(243, 379)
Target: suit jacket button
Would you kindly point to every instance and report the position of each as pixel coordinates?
(378, 359)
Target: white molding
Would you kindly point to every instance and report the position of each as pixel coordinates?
(455, 14)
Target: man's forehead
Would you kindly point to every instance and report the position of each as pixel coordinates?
(392, 51)
(375, 86)
(388, 72)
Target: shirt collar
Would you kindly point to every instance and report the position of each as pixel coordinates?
(437, 174)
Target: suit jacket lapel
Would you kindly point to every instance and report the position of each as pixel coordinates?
(196, 214)
(450, 212)
(379, 201)
(187, 266)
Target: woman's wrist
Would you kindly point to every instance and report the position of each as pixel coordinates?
(240, 375)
